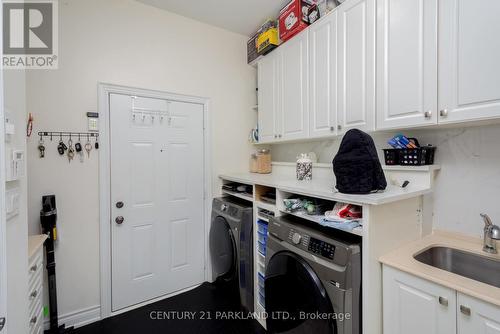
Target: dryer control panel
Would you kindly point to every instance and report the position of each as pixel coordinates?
(321, 248)
(313, 245)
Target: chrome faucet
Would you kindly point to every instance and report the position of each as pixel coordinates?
(491, 233)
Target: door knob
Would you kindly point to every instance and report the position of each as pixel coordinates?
(119, 205)
(119, 220)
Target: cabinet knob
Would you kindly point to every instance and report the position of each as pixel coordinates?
(339, 127)
(119, 220)
(443, 301)
(332, 128)
(33, 320)
(34, 268)
(34, 294)
(428, 114)
(443, 113)
(279, 136)
(465, 310)
(275, 136)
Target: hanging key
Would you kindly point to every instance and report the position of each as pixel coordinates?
(71, 150)
(61, 148)
(88, 148)
(41, 148)
(79, 150)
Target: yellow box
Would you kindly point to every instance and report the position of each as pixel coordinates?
(267, 41)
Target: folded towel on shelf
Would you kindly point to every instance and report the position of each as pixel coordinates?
(341, 223)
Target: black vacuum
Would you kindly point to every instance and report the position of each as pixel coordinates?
(48, 219)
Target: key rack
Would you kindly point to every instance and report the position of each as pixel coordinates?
(60, 134)
(73, 148)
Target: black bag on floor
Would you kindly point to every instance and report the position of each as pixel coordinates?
(356, 166)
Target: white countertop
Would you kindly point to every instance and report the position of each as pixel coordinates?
(402, 259)
(325, 189)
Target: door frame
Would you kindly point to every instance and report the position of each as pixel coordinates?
(104, 90)
(3, 218)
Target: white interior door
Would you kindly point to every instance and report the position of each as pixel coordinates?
(157, 173)
(3, 227)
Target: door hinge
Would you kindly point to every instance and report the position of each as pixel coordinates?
(2, 323)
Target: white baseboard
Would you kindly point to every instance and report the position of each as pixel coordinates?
(78, 318)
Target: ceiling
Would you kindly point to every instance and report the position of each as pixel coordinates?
(239, 16)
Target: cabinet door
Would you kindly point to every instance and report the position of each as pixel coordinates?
(267, 72)
(323, 77)
(406, 63)
(356, 56)
(469, 53)
(478, 317)
(294, 69)
(414, 306)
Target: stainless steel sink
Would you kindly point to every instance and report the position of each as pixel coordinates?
(462, 263)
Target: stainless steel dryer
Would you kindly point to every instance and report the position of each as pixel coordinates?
(231, 245)
(312, 281)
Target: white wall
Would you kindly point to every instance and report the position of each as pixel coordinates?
(127, 43)
(468, 183)
(17, 227)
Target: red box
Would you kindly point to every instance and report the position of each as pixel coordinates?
(290, 20)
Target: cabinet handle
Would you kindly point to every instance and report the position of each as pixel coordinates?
(34, 268)
(428, 114)
(443, 113)
(443, 301)
(465, 310)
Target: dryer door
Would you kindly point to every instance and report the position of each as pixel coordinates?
(222, 249)
(295, 297)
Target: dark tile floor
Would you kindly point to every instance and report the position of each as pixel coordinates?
(218, 301)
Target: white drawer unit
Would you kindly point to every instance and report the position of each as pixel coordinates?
(35, 284)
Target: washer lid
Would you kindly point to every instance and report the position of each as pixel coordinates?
(295, 297)
(222, 248)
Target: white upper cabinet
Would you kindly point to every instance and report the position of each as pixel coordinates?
(415, 306)
(323, 77)
(267, 71)
(294, 69)
(356, 65)
(406, 63)
(477, 317)
(469, 60)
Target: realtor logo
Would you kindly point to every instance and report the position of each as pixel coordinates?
(30, 34)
